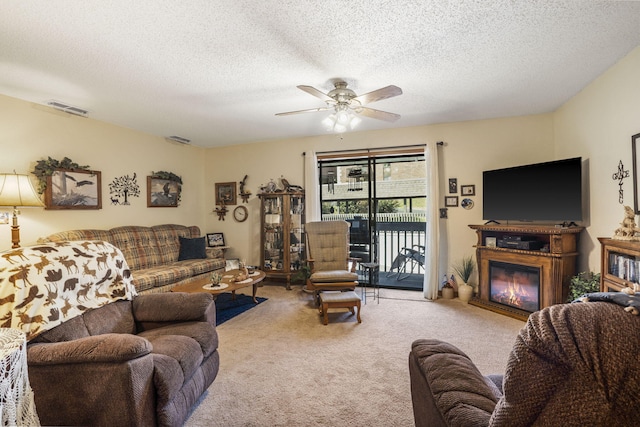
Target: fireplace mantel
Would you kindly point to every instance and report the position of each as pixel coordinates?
(556, 261)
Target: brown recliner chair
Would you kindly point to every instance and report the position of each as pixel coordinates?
(571, 365)
(144, 362)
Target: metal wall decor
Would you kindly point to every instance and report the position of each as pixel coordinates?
(619, 176)
(122, 188)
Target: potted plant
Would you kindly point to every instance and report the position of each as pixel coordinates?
(584, 282)
(464, 269)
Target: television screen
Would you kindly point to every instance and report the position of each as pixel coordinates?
(550, 191)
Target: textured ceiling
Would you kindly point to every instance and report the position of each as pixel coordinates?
(217, 71)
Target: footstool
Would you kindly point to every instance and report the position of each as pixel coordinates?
(329, 300)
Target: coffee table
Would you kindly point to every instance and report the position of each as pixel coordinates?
(203, 285)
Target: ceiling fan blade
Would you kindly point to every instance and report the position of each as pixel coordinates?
(315, 92)
(377, 114)
(379, 95)
(311, 110)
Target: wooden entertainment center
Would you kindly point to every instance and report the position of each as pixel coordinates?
(555, 254)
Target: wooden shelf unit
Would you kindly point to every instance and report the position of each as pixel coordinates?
(283, 242)
(556, 261)
(620, 264)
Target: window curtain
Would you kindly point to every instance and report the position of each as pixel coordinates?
(311, 187)
(432, 232)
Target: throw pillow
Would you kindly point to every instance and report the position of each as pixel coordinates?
(192, 248)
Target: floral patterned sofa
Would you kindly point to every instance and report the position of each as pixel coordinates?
(160, 257)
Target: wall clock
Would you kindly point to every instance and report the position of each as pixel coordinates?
(240, 213)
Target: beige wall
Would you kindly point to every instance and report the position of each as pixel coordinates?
(29, 132)
(470, 148)
(596, 124)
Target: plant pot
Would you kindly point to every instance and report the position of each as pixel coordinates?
(447, 293)
(465, 292)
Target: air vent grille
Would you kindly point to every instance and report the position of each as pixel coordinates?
(179, 139)
(68, 108)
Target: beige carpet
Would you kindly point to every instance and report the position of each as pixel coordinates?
(280, 366)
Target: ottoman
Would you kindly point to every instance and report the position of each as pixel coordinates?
(348, 300)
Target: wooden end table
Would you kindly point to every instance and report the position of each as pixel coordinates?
(227, 276)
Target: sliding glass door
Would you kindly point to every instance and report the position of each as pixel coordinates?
(383, 197)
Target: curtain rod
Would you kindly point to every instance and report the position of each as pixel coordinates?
(371, 150)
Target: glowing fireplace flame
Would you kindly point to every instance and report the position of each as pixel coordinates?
(515, 292)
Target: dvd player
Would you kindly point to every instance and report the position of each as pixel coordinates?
(527, 245)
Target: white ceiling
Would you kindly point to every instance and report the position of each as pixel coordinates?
(217, 71)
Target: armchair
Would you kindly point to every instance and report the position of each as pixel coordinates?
(328, 256)
(144, 362)
(571, 365)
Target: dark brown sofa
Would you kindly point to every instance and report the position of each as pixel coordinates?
(571, 365)
(140, 362)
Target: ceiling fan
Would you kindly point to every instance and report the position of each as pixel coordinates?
(344, 103)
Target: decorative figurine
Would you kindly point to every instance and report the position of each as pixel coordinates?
(628, 227)
(245, 194)
(221, 211)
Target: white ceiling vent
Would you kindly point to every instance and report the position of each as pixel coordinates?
(68, 108)
(179, 139)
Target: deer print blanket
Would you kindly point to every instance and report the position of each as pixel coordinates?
(45, 285)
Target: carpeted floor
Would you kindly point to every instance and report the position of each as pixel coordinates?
(227, 308)
(280, 366)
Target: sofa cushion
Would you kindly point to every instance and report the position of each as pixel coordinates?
(192, 248)
(167, 236)
(200, 332)
(176, 359)
(159, 276)
(200, 266)
(70, 330)
(139, 246)
(114, 318)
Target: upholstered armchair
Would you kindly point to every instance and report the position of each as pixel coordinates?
(328, 256)
(571, 365)
(144, 362)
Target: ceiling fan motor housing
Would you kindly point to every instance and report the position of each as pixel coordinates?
(341, 94)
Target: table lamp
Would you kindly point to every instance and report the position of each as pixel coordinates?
(17, 191)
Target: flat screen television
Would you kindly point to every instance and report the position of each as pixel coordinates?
(550, 191)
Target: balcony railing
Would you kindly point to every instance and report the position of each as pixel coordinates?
(395, 231)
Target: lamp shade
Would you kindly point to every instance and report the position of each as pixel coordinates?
(17, 190)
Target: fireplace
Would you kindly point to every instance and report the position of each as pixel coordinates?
(514, 285)
(540, 277)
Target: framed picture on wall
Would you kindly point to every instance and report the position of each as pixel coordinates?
(451, 201)
(635, 140)
(453, 185)
(226, 193)
(468, 190)
(162, 193)
(73, 189)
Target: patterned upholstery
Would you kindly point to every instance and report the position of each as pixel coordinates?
(69, 279)
(152, 253)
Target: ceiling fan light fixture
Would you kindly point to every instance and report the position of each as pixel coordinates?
(340, 128)
(343, 117)
(329, 122)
